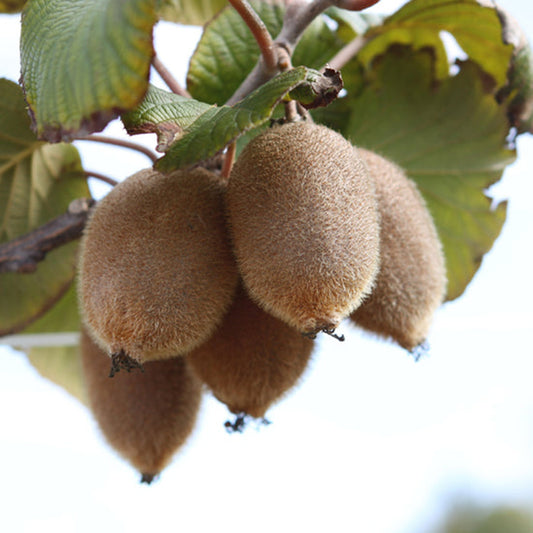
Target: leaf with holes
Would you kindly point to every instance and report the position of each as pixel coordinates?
(37, 183)
(473, 23)
(450, 138)
(518, 92)
(83, 62)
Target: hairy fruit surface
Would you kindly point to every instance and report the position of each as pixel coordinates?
(305, 225)
(252, 359)
(156, 269)
(411, 283)
(146, 416)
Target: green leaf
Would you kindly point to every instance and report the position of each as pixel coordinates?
(11, 6)
(219, 126)
(227, 51)
(474, 24)
(450, 137)
(64, 317)
(195, 12)
(37, 183)
(84, 62)
(164, 113)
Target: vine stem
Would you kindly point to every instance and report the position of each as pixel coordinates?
(355, 5)
(101, 177)
(23, 253)
(120, 142)
(229, 160)
(346, 53)
(260, 33)
(168, 78)
(298, 16)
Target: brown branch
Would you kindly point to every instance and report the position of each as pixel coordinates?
(168, 78)
(260, 33)
(120, 142)
(298, 16)
(355, 5)
(229, 160)
(101, 177)
(347, 52)
(23, 253)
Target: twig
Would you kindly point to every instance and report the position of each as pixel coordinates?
(120, 142)
(23, 253)
(291, 111)
(101, 177)
(260, 33)
(298, 16)
(346, 53)
(168, 78)
(355, 5)
(228, 160)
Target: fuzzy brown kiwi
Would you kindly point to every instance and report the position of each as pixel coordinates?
(411, 283)
(145, 416)
(252, 359)
(157, 273)
(305, 226)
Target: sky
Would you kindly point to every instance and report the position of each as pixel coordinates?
(370, 441)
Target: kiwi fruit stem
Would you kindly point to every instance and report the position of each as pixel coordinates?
(121, 360)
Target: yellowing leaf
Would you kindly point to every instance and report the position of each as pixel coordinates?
(37, 183)
(450, 137)
(84, 62)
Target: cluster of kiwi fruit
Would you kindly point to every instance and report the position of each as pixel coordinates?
(206, 282)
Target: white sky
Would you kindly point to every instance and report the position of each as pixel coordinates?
(370, 441)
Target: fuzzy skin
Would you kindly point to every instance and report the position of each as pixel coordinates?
(157, 273)
(305, 225)
(146, 416)
(411, 283)
(252, 360)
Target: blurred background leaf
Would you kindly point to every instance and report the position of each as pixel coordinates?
(60, 364)
(37, 183)
(469, 518)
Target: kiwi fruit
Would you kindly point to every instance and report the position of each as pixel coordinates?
(157, 273)
(305, 226)
(146, 417)
(251, 360)
(411, 283)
